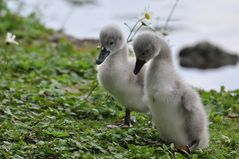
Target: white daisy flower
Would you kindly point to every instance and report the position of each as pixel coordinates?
(10, 39)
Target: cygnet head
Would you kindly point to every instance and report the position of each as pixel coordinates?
(146, 46)
(111, 40)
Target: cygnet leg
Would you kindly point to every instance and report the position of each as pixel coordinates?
(127, 120)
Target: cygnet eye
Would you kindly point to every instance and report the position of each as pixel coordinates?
(111, 43)
(143, 53)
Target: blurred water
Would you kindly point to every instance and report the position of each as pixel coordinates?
(216, 21)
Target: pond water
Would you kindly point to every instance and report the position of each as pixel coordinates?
(193, 21)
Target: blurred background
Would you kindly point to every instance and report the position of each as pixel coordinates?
(192, 22)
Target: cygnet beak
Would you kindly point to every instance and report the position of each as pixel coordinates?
(103, 54)
(139, 64)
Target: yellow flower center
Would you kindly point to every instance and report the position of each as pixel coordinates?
(147, 16)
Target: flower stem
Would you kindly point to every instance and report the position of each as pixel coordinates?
(135, 32)
(6, 60)
(92, 90)
(170, 16)
(127, 26)
(132, 30)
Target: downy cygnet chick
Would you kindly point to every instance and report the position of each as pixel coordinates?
(115, 72)
(176, 108)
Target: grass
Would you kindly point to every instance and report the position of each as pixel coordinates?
(45, 112)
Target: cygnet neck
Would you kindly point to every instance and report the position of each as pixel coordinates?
(165, 51)
(120, 55)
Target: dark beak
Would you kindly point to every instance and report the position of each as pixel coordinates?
(139, 64)
(103, 54)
